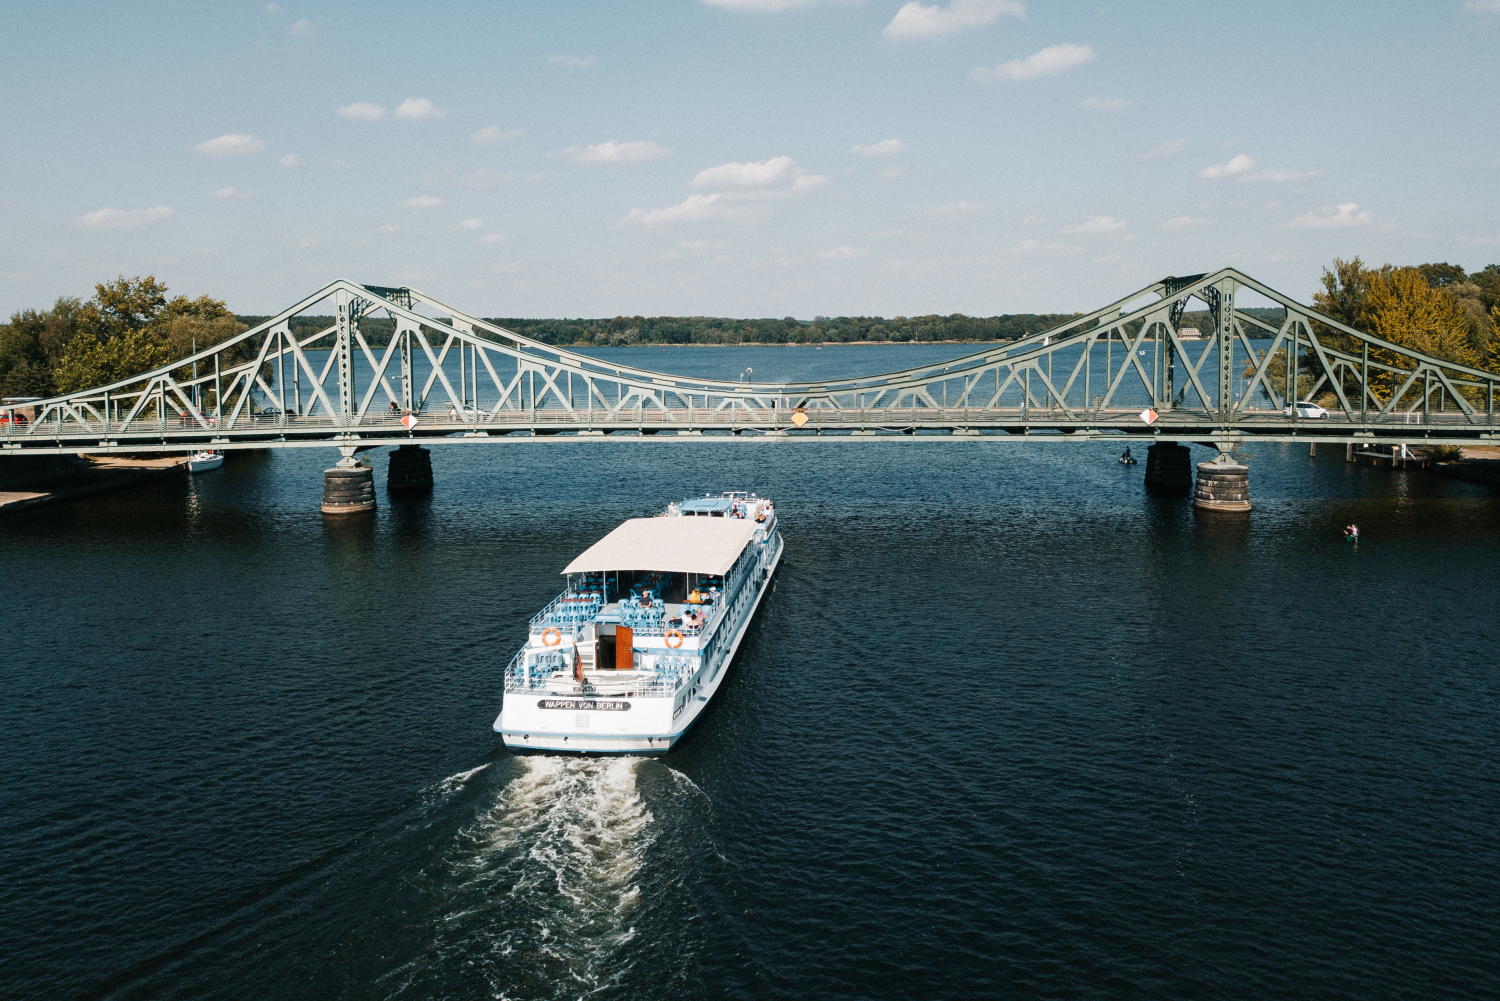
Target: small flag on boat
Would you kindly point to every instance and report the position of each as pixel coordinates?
(409, 421)
(1149, 416)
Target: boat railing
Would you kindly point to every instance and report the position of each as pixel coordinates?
(662, 625)
(532, 670)
(568, 612)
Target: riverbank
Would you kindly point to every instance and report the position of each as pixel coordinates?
(1480, 465)
(92, 476)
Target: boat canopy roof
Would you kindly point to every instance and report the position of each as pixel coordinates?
(668, 545)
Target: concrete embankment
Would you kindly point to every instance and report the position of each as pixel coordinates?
(27, 482)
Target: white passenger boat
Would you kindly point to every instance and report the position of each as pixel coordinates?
(202, 462)
(627, 658)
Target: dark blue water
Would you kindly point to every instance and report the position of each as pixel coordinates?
(1005, 726)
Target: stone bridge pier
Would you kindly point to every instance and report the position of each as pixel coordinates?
(349, 487)
(1223, 485)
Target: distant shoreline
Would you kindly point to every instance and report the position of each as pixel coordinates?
(758, 344)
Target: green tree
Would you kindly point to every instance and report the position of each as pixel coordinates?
(123, 305)
(23, 361)
(1405, 310)
(1346, 292)
(1442, 275)
(92, 362)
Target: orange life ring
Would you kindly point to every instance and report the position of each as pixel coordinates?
(555, 636)
(671, 633)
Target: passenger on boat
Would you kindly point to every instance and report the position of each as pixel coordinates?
(695, 597)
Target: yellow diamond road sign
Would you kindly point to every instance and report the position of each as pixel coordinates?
(409, 421)
(799, 418)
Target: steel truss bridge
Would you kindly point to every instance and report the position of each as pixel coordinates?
(466, 380)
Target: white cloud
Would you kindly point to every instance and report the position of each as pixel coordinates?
(491, 238)
(1106, 103)
(301, 29)
(1167, 147)
(1027, 247)
(640, 151)
(389, 228)
(422, 202)
(1480, 241)
(1183, 222)
(343, 165)
(1053, 59)
(227, 192)
(291, 160)
(230, 144)
(807, 182)
(915, 20)
(895, 172)
(308, 241)
(1345, 215)
(1281, 176)
(536, 178)
(272, 8)
(362, 111)
(1488, 6)
(581, 62)
(844, 253)
(694, 208)
(1095, 225)
(746, 175)
(1275, 258)
(492, 134)
(758, 6)
(472, 223)
(1033, 220)
(418, 108)
(959, 208)
(123, 218)
(1240, 164)
(886, 147)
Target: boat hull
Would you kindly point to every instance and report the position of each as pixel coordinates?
(528, 724)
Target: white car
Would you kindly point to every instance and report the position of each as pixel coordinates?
(1307, 410)
(466, 414)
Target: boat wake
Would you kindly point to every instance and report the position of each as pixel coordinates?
(540, 890)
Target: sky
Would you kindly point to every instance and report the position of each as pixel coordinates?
(741, 157)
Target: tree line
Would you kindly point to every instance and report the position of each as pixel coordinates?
(621, 331)
(129, 326)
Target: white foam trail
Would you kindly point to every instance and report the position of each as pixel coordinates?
(682, 779)
(457, 779)
(546, 880)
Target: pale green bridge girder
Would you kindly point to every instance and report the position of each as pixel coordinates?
(468, 381)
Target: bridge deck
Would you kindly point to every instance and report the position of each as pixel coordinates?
(926, 423)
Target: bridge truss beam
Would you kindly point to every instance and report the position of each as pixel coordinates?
(1091, 376)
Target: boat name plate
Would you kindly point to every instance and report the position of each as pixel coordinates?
(576, 704)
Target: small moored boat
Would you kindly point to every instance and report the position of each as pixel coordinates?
(626, 659)
(202, 462)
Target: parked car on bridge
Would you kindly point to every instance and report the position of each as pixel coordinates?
(13, 416)
(1307, 410)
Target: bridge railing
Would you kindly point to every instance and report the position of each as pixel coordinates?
(186, 430)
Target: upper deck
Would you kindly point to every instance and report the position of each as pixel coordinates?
(652, 594)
